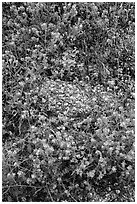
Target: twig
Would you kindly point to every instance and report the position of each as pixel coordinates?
(6, 190)
(49, 193)
(69, 193)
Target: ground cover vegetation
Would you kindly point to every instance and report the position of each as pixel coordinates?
(68, 101)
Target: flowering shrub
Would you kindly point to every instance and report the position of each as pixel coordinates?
(68, 102)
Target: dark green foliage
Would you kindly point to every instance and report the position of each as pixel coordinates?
(68, 101)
